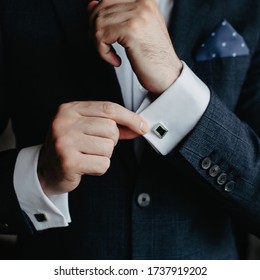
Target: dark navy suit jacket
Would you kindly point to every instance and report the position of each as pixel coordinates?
(46, 59)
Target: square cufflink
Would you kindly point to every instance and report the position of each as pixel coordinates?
(159, 130)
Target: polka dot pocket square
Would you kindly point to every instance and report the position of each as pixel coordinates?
(224, 41)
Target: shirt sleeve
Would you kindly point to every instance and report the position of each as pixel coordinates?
(44, 211)
(175, 113)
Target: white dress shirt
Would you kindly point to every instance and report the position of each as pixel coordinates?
(178, 109)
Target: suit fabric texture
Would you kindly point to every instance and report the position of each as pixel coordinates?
(47, 59)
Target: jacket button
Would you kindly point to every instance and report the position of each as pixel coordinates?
(143, 199)
(206, 163)
(214, 171)
(229, 187)
(4, 227)
(222, 178)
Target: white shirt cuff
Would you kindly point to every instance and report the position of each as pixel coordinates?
(45, 212)
(176, 111)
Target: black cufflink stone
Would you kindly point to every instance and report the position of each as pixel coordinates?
(40, 217)
(160, 130)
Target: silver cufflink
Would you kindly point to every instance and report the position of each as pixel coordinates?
(159, 130)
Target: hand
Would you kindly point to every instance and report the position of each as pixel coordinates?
(139, 27)
(81, 141)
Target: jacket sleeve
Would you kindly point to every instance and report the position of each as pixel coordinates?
(224, 148)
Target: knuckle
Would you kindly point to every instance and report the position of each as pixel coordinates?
(68, 163)
(132, 27)
(148, 6)
(113, 129)
(98, 35)
(98, 30)
(62, 145)
(66, 106)
(103, 166)
(67, 160)
(64, 116)
(135, 119)
(58, 125)
(110, 147)
(109, 109)
(63, 107)
(144, 16)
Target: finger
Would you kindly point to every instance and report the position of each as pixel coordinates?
(126, 134)
(98, 146)
(92, 4)
(108, 53)
(103, 24)
(91, 7)
(100, 127)
(93, 165)
(116, 112)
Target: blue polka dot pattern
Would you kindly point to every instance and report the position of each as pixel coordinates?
(224, 41)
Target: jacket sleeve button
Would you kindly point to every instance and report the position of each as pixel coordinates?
(214, 171)
(206, 163)
(222, 179)
(229, 187)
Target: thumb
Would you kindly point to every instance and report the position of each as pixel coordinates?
(126, 134)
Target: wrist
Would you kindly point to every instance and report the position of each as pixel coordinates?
(170, 78)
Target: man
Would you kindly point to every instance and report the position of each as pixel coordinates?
(132, 142)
